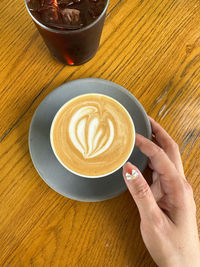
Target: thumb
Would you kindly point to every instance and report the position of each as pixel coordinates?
(140, 192)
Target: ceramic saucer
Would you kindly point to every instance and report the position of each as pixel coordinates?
(46, 164)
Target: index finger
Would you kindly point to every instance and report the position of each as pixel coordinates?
(160, 163)
(168, 144)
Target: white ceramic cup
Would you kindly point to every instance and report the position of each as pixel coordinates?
(79, 174)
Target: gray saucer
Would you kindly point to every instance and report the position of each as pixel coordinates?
(52, 172)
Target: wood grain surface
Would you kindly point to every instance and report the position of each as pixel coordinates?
(152, 48)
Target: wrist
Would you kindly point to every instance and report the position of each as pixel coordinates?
(182, 262)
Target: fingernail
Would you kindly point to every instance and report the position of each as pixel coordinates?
(132, 176)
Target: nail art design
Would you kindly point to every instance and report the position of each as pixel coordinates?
(132, 176)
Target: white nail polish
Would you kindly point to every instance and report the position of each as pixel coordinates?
(132, 176)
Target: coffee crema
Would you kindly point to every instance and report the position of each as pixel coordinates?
(92, 135)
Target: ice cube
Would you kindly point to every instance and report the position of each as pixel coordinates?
(49, 3)
(33, 5)
(50, 15)
(71, 16)
(96, 7)
(68, 2)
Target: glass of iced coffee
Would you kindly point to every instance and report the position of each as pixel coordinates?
(71, 29)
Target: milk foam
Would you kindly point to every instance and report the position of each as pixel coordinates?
(87, 132)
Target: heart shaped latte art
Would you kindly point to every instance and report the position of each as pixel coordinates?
(91, 133)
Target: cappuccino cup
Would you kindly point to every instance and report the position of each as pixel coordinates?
(92, 135)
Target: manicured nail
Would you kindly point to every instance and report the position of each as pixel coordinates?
(132, 176)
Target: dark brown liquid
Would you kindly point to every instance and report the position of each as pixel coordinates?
(66, 14)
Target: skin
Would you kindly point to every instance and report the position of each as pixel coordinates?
(167, 208)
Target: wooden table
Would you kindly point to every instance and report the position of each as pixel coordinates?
(152, 48)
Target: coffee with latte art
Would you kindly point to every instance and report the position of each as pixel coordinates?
(92, 135)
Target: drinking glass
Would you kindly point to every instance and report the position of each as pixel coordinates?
(72, 47)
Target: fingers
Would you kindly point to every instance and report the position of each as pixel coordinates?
(168, 145)
(140, 192)
(160, 163)
(157, 190)
(158, 158)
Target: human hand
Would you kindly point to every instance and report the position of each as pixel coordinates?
(167, 208)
